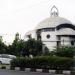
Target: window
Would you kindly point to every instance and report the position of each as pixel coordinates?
(48, 29)
(48, 36)
(72, 43)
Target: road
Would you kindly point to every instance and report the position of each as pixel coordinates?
(10, 72)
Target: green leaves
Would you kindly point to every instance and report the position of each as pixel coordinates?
(25, 48)
(34, 46)
(65, 51)
(44, 62)
(3, 47)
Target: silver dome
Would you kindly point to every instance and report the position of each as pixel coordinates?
(52, 22)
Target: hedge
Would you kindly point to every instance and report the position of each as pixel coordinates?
(43, 62)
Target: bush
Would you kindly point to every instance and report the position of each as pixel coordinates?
(44, 62)
(64, 51)
(19, 62)
(3, 67)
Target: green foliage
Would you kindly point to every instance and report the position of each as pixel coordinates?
(65, 51)
(25, 48)
(34, 46)
(44, 62)
(3, 47)
(3, 67)
(16, 47)
(19, 62)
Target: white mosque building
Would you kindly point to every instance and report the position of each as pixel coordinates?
(54, 31)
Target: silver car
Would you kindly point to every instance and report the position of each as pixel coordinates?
(6, 58)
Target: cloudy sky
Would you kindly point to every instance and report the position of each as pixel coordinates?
(23, 15)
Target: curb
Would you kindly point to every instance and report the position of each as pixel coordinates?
(65, 72)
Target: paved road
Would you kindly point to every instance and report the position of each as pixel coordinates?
(10, 72)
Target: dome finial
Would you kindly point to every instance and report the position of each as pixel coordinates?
(54, 11)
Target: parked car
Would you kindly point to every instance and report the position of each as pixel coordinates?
(6, 58)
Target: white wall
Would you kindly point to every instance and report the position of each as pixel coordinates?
(50, 45)
(65, 41)
(51, 42)
(32, 33)
(66, 31)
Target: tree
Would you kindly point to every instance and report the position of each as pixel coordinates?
(16, 46)
(25, 48)
(33, 47)
(3, 47)
(19, 47)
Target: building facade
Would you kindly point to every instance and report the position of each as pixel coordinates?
(54, 31)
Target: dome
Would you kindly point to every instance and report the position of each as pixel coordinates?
(52, 22)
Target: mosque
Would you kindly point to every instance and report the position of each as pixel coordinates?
(54, 31)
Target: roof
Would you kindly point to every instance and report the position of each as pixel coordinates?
(52, 22)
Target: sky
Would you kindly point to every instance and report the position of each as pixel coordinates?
(23, 15)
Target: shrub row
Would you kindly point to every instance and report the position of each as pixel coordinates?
(43, 62)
